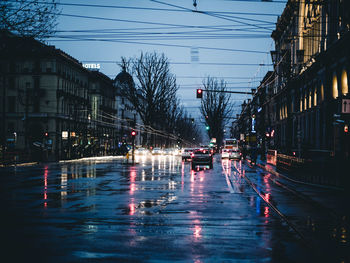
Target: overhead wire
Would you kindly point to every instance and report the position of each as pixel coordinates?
(209, 14)
(145, 8)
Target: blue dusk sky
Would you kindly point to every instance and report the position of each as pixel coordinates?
(226, 39)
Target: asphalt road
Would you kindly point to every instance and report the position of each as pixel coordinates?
(156, 210)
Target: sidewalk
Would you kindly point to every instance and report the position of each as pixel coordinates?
(305, 177)
(334, 198)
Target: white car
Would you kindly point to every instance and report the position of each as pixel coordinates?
(186, 153)
(225, 153)
(235, 154)
(231, 154)
(141, 151)
(157, 151)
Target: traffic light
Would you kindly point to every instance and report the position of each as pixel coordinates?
(133, 133)
(199, 93)
(207, 127)
(46, 134)
(192, 120)
(346, 128)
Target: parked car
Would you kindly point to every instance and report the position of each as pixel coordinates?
(202, 157)
(186, 153)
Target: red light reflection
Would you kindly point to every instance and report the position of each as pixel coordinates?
(132, 181)
(197, 231)
(131, 209)
(46, 172)
(266, 211)
(182, 176)
(267, 197)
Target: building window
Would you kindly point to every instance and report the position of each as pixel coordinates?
(285, 111)
(344, 83)
(335, 87)
(315, 97)
(322, 92)
(310, 100)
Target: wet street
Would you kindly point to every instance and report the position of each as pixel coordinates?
(158, 210)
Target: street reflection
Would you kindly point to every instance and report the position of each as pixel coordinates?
(64, 181)
(197, 230)
(233, 176)
(132, 180)
(151, 168)
(182, 176)
(132, 207)
(46, 172)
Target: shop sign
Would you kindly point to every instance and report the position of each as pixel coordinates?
(92, 66)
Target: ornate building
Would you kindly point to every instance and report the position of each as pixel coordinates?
(52, 107)
(305, 103)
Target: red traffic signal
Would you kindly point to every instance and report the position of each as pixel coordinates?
(133, 133)
(199, 93)
(46, 134)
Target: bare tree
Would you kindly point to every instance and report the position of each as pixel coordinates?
(154, 90)
(34, 18)
(187, 131)
(215, 107)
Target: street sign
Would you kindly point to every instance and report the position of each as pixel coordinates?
(345, 106)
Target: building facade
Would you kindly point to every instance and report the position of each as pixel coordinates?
(127, 116)
(52, 107)
(304, 101)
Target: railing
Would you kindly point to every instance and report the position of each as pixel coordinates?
(289, 163)
(271, 157)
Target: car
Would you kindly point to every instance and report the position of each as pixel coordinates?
(235, 154)
(202, 157)
(169, 151)
(225, 153)
(177, 152)
(157, 151)
(231, 153)
(186, 153)
(141, 151)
